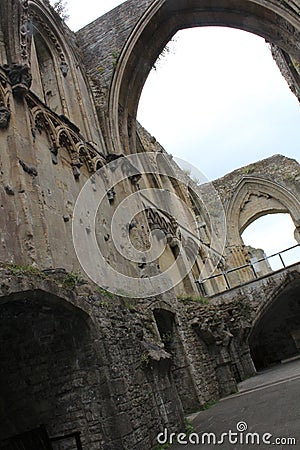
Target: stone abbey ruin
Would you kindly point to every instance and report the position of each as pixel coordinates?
(78, 355)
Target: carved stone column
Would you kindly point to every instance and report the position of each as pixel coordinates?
(4, 116)
(238, 257)
(4, 103)
(297, 234)
(19, 77)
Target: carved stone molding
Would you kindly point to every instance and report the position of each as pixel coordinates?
(19, 76)
(48, 32)
(169, 226)
(63, 133)
(4, 103)
(4, 116)
(24, 35)
(128, 170)
(64, 68)
(291, 5)
(111, 195)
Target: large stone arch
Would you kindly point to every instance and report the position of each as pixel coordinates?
(53, 367)
(277, 23)
(254, 197)
(275, 332)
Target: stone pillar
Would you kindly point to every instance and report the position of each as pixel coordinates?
(238, 257)
(297, 234)
(226, 380)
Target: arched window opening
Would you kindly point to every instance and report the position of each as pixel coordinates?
(219, 100)
(272, 234)
(47, 85)
(180, 370)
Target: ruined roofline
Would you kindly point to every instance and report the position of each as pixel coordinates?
(112, 12)
(250, 168)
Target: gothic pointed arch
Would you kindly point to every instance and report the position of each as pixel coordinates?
(52, 357)
(254, 197)
(275, 332)
(277, 23)
(59, 79)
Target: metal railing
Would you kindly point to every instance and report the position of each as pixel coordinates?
(251, 265)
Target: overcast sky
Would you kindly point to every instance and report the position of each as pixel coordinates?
(218, 101)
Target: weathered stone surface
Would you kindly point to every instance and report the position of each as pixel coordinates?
(73, 355)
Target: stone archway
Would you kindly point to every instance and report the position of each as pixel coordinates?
(50, 371)
(180, 369)
(275, 335)
(267, 187)
(254, 197)
(278, 24)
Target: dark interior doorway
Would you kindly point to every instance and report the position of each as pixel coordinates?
(46, 354)
(276, 336)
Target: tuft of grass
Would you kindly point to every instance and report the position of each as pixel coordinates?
(289, 177)
(188, 427)
(248, 169)
(105, 292)
(128, 305)
(60, 6)
(72, 279)
(145, 360)
(167, 337)
(25, 269)
(115, 57)
(104, 304)
(150, 327)
(209, 404)
(192, 298)
(244, 308)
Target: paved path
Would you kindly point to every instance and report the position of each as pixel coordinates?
(267, 403)
(281, 372)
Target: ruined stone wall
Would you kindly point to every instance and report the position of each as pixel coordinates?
(43, 153)
(102, 40)
(38, 192)
(278, 168)
(47, 158)
(83, 360)
(74, 355)
(229, 325)
(268, 186)
(78, 358)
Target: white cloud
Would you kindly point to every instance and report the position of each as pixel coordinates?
(221, 102)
